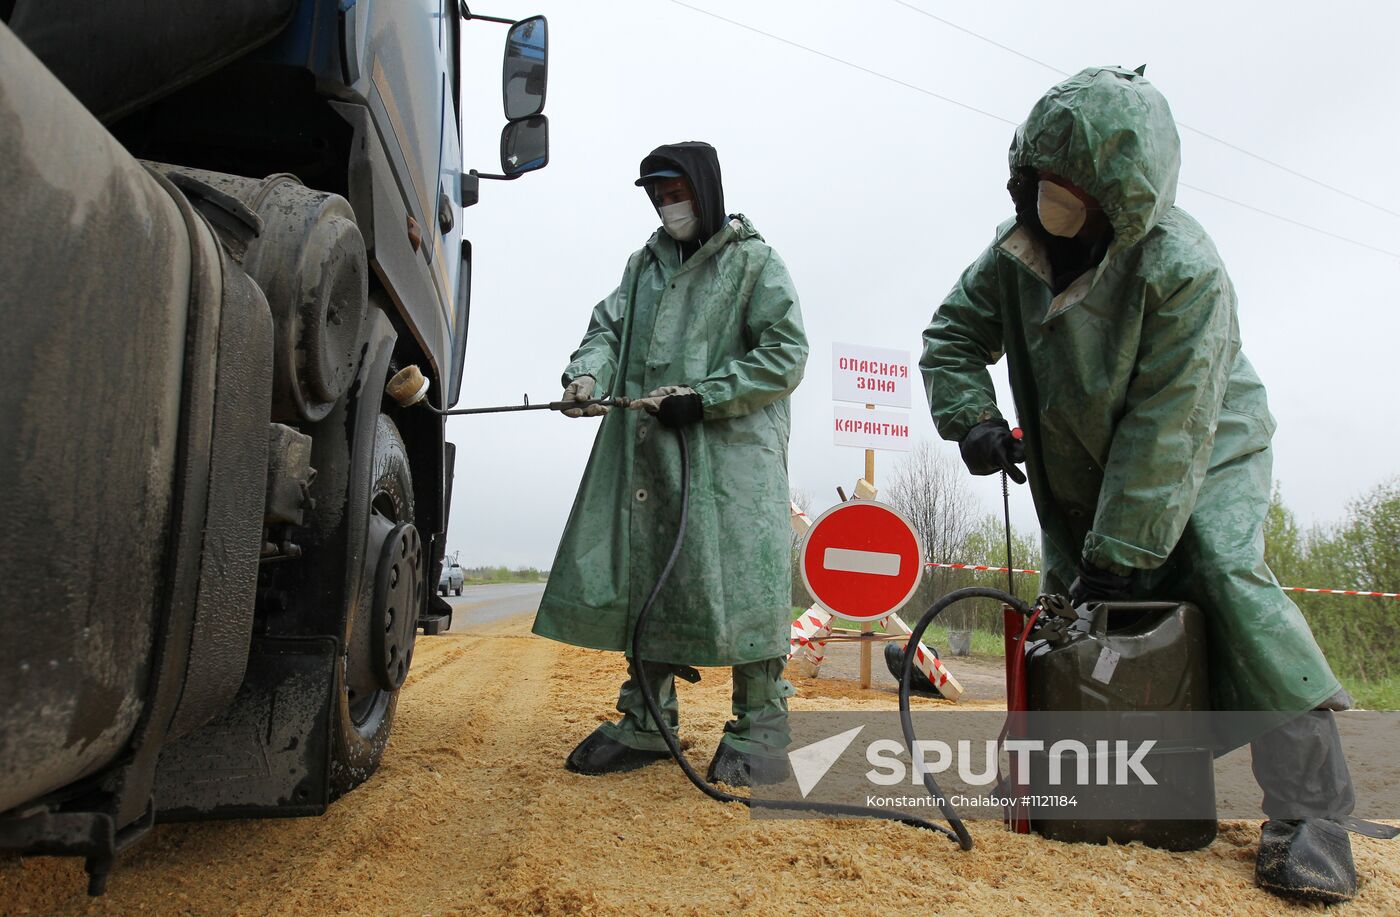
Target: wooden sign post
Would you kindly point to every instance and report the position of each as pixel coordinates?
(865, 648)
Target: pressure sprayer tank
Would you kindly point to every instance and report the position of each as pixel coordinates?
(1147, 658)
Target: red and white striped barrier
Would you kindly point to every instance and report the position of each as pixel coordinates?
(1308, 589)
(929, 663)
(811, 629)
(799, 520)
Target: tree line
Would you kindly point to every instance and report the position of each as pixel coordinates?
(479, 575)
(1361, 636)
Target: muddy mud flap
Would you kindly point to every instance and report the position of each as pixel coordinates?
(268, 754)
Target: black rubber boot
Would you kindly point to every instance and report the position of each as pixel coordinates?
(918, 681)
(599, 754)
(731, 766)
(1306, 859)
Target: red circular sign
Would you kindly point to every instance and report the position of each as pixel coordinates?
(861, 560)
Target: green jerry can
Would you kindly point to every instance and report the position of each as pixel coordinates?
(1111, 675)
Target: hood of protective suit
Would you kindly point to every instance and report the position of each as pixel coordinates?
(1111, 133)
(699, 162)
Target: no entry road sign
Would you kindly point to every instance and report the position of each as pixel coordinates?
(861, 560)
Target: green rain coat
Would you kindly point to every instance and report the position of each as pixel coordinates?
(1147, 430)
(725, 322)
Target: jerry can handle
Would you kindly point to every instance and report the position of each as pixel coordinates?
(1098, 613)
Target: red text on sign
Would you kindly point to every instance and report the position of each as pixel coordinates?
(871, 384)
(871, 428)
(874, 368)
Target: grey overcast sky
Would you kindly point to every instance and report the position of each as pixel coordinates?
(878, 195)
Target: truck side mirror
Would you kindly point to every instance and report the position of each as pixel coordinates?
(526, 70)
(525, 146)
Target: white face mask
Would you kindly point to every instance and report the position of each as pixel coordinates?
(1061, 213)
(679, 221)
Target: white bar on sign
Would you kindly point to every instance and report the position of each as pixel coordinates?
(844, 560)
(867, 429)
(871, 375)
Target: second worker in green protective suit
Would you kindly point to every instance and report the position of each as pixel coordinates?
(1146, 430)
(704, 331)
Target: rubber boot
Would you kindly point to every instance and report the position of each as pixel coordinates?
(753, 750)
(598, 754)
(1304, 849)
(918, 681)
(736, 768)
(634, 740)
(1306, 860)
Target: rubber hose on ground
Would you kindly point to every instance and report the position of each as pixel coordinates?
(906, 719)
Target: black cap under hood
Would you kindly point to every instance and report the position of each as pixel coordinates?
(699, 162)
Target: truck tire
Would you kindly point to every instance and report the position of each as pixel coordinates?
(363, 711)
(459, 590)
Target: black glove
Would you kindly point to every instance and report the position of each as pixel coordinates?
(680, 410)
(1095, 584)
(989, 447)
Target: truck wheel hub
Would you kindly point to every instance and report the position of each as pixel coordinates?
(398, 594)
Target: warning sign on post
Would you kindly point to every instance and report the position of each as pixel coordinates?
(867, 429)
(870, 375)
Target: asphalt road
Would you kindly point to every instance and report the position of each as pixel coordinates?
(983, 679)
(483, 604)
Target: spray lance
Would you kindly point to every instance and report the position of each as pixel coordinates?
(409, 386)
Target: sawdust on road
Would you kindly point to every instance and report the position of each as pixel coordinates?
(472, 812)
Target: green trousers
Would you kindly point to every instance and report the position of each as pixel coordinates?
(759, 704)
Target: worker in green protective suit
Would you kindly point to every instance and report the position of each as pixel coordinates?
(1146, 430)
(704, 331)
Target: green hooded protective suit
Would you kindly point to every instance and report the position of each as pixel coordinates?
(1146, 429)
(726, 322)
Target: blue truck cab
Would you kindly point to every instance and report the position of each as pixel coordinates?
(226, 227)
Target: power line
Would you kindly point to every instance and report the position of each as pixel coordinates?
(1278, 165)
(1279, 216)
(1182, 124)
(980, 37)
(995, 117)
(840, 60)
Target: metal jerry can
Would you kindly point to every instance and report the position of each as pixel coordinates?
(1125, 670)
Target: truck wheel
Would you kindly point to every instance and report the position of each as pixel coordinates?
(381, 625)
(459, 590)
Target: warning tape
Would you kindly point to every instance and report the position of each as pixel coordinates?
(980, 567)
(1376, 595)
(1358, 592)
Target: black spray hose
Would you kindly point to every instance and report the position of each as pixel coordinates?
(958, 834)
(906, 720)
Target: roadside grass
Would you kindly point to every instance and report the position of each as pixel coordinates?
(479, 576)
(1379, 694)
(986, 643)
